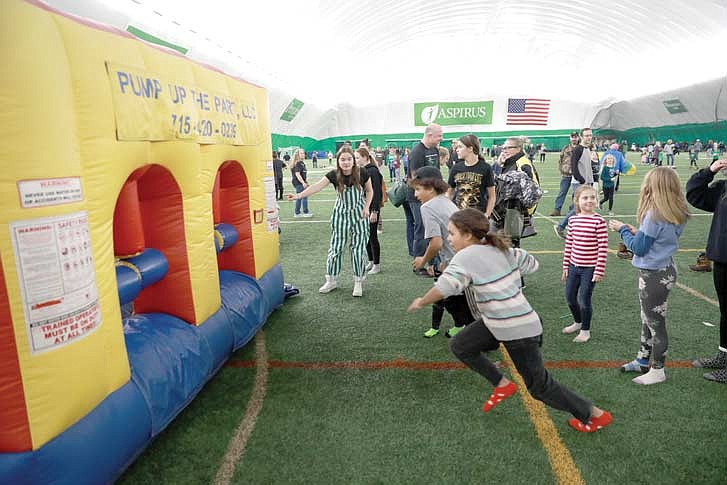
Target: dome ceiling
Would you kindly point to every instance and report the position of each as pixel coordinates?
(363, 52)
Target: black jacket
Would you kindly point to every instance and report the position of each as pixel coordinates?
(711, 198)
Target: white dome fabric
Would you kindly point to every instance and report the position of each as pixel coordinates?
(358, 65)
(703, 103)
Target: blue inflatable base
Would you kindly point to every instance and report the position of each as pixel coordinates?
(170, 361)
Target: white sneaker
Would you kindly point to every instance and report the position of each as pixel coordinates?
(572, 328)
(583, 336)
(307, 214)
(330, 285)
(375, 269)
(297, 215)
(369, 265)
(654, 376)
(357, 287)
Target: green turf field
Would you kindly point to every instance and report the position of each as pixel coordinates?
(355, 394)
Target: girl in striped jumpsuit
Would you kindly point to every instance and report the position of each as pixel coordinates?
(350, 218)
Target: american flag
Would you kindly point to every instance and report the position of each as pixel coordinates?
(527, 111)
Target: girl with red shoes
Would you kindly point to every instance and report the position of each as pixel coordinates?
(488, 271)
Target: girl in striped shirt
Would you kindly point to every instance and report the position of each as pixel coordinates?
(487, 271)
(584, 260)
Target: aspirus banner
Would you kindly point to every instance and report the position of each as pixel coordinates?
(461, 113)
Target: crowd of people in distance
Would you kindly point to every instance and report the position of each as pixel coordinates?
(465, 233)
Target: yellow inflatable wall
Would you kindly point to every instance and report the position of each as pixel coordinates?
(83, 108)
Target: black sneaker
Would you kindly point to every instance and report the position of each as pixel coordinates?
(423, 272)
(717, 362)
(719, 375)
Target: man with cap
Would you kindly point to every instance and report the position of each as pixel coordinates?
(565, 173)
(424, 154)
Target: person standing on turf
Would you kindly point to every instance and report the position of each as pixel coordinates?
(662, 214)
(471, 181)
(349, 220)
(299, 177)
(582, 173)
(431, 190)
(373, 249)
(712, 197)
(424, 154)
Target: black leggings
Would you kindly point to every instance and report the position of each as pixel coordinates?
(279, 188)
(720, 285)
(607, 196)
(373, 249)
(456, 306)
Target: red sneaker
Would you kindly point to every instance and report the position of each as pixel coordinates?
(593, 425)
(499, 395)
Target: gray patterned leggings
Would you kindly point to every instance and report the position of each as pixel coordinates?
(654, 287)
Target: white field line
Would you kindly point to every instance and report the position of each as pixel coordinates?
(238, 443)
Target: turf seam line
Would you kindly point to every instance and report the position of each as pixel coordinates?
(694, 292)
(238, 443)
(561, 461)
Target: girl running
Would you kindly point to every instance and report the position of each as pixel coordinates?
(350, 218)
(584, 260)
(488, 272)
(662, 214)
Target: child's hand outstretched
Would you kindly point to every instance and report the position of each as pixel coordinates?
(416, 304)
(290, 197)
(615, 225)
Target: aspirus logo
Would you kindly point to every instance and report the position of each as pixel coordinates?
(429, 114)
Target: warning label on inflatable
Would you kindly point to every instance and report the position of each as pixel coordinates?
(55, 191)
(57, 279)
(149, 106)
(271, 205)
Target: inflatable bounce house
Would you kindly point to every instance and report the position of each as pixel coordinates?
(138, 240)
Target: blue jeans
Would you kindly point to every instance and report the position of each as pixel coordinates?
(578, 290)
(414, 228)
(564, 186)
(299, 202)
(670, 159)
(571, 210)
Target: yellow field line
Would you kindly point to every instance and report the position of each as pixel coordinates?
(565, 470)
(238, 443)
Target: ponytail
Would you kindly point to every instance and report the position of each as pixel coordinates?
(497, 239)
(471, 221)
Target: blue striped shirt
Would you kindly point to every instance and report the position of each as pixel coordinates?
(490, 279)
